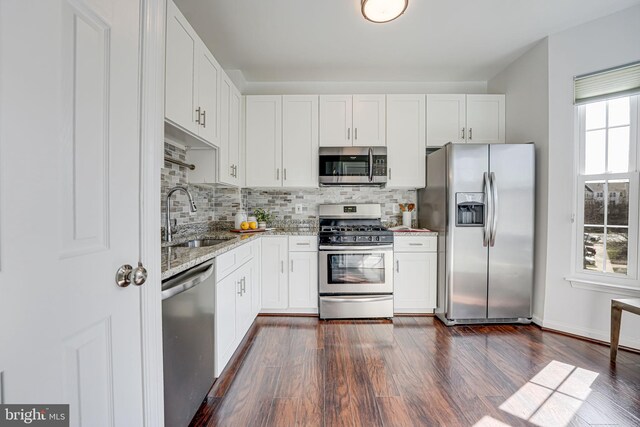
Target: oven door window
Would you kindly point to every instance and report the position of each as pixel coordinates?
(344, 165)
(352, 269)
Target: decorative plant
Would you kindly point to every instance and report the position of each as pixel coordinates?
(263, 215)
(407, 207)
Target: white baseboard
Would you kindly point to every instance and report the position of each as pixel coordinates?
(589, 333)
(537, 320)
(285, 311)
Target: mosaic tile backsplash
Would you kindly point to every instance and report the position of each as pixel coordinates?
(221, 204)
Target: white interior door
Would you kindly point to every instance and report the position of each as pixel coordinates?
(69, 190)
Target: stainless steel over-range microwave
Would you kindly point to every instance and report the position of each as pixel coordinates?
(353, 166)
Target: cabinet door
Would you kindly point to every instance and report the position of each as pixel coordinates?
(244, 315)
(414, 282)
(300, 141)
(274, 272)
(225, 327)
(486, 119)
(264, 141)
(445, 119)
(256, 279)
(235, 106)
(369, 121)
(208, 99)
(180, 62)
(406, 141)
(336, 120)
(225, 168)
(303, 280)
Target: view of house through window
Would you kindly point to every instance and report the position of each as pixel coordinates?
(608, 170)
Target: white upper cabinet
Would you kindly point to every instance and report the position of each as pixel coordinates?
(465, 118)
(369, 121)
(180, 93)
(445, 119)
(335, 120)
(300, 141)
(282, 141)
(263, 141)
(486, 119)
(406, 141)
(352, 120)
(229, 147)
(192, 80)
(209, 72)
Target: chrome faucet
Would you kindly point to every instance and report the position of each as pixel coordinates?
(193, 208)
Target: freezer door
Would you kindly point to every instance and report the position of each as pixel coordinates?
(512, 171)
(467, 257)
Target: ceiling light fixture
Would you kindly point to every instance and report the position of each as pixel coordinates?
(381, 11)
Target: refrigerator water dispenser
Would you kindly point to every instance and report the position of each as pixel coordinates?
(470, 209)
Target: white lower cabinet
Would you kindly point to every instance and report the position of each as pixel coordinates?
(414, 274)
(289, 274)
(235, 305)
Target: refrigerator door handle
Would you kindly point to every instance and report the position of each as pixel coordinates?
(488, 212)
(494, 199)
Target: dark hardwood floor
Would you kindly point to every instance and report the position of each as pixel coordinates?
(415, 371)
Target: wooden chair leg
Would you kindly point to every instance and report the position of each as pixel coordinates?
(616, 315)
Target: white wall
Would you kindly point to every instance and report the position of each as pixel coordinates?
(328, 87)
(604, 43)
(526, 85)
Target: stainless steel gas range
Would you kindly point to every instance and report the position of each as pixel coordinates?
(355, 262)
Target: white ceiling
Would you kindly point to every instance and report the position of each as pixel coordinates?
(328, 40)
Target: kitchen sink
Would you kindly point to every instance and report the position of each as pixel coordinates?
(201, 243)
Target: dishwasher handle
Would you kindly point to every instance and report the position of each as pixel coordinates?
(189, 280)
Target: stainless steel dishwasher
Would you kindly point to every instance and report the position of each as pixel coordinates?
(188, 341)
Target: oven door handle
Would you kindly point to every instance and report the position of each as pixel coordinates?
(357, 298)
(355, 248)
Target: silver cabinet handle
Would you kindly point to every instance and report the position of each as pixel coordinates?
(198, 115)
(282, 267)
(302, 244)
(277, 174)
(398, 265)
(204, 118)
(235, 171)
(415, 244)
(243, 282)
(348, 133)
(239, 288)
(231, 168)
(389, 173)
(284, 173)
(355, 133)
(292, 266)
(463, 134)
(470, 134)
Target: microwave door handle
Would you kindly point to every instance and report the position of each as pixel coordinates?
(370, 164)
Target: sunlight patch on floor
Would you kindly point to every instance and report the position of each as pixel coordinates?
(551, 398)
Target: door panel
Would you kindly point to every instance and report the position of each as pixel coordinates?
(225, 321)
(369, 120)
(336, 121)
(511, 257)
(180, 95)
(303, 280)
(274, 272)
(445, 119)
(264, 141)
(300, 141)
(208, 95)
(73, 335)
(414, 281)
(467, 257)
(485, 119)
(405, 141)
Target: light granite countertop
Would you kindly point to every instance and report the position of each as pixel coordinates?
(177, 259)
(415, 233)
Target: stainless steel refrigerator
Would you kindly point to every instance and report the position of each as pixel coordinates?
(480, 200)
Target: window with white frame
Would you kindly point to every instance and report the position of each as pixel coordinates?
(607, 188)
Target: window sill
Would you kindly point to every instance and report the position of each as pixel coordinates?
(609, 288)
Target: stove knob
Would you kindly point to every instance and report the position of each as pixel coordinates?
(378, 238)
(370, 238)
(355, 238)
